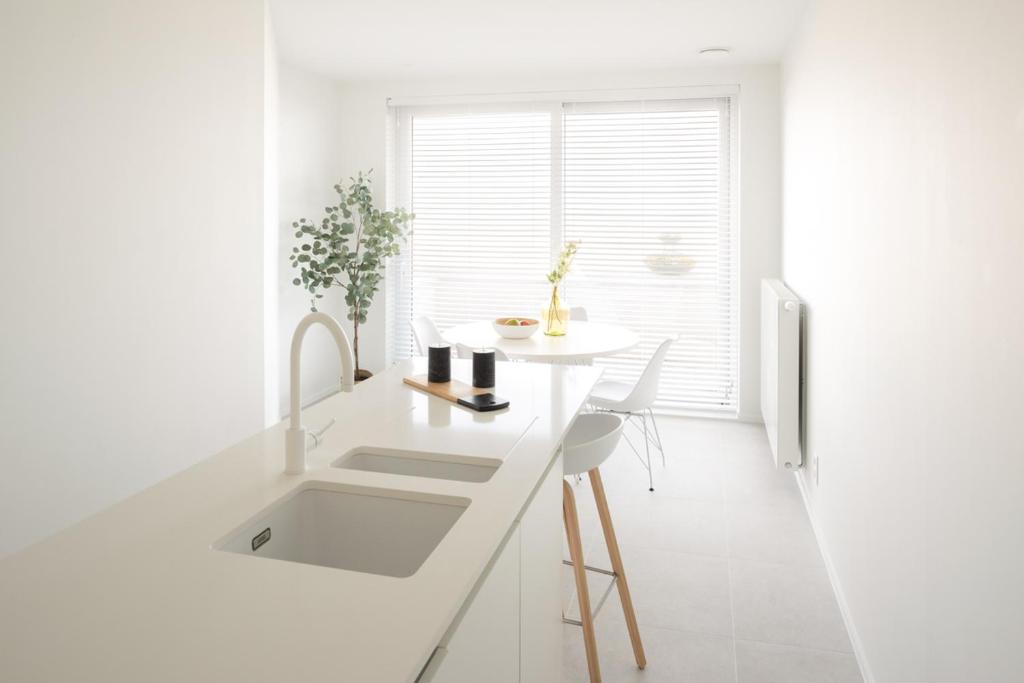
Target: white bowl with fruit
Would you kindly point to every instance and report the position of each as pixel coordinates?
(516, 328)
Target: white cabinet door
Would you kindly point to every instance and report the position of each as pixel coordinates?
(485, 644)
(540, 582)
(511, 631)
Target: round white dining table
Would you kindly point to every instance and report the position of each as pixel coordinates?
(584, 341)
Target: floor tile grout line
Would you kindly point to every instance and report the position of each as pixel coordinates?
(739, 558)
(787, 565)
(711, 634)
(797, 647)
(673, 629)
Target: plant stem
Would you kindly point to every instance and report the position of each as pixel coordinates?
(354, 278)
(355, 344)
(552, 308)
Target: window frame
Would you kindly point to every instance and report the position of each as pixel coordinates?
(399, 143)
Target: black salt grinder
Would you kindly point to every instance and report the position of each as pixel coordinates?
(439, 363)
(483, 368)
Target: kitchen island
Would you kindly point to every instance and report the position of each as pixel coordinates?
(143, 591)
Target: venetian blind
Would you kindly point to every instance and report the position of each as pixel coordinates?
(480, 186)
(644, 185)
(646, 190)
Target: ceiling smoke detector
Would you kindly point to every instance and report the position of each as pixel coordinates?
(714, 52)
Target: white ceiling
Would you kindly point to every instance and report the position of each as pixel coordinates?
(396, 39)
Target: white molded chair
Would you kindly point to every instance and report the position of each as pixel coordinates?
(578, 313)
(424, 331)
(466, 351)
(592, 438)
(635, 401)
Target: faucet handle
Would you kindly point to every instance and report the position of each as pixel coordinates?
(317, 435)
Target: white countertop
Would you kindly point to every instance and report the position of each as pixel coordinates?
(135, 593)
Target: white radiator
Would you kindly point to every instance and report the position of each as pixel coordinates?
(780, 372)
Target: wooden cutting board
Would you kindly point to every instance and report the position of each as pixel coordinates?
(449, 391)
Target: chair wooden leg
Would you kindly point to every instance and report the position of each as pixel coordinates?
(572, 533)
(613, 553)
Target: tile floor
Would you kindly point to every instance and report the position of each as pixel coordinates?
(726, 575)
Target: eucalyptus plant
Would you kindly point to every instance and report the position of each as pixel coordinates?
(349, 249)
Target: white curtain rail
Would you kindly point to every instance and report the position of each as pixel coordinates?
(568, 96)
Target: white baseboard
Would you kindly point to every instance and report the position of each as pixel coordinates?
(837, 588)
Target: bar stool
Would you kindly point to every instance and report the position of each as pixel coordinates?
(591, 440)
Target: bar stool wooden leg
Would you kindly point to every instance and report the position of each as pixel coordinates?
(620, 573)
(572, 534)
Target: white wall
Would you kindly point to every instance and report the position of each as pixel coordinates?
(131, 247)
(271, 228)
(904, 233)
(311, 161)
(363, 127)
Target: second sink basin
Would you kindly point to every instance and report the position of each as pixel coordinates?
(418, 464)
(362, 529)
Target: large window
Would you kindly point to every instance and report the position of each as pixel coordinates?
(480, 186)
(644, 185)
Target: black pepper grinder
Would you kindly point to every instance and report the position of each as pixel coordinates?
(483, 368)
(439, 363)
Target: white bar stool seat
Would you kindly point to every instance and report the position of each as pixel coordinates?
(592, 438)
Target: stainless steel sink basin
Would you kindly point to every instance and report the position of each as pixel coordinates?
(361, 529)
(418, 464)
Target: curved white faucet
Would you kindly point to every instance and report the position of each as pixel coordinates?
(295, 435)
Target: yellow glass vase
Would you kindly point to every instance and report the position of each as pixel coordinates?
(555, 316)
